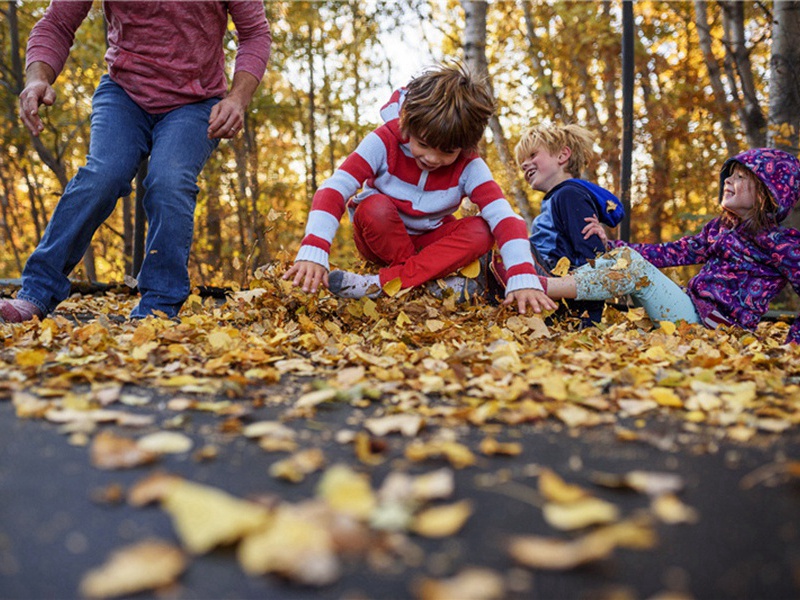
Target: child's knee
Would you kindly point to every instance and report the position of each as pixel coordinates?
(375, 210)
(480, 233)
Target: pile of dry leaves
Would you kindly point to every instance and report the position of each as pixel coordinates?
(421, 365)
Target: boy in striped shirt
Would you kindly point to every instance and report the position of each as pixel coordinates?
(413, 173)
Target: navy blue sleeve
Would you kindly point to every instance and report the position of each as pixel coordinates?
(571, 206)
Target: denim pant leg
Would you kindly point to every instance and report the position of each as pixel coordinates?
(662, 298)
(180, 150)
(119, 141)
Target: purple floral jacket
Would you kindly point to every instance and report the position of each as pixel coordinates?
(742, 271)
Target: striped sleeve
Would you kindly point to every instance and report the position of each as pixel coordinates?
(328, 204)
(507, 227)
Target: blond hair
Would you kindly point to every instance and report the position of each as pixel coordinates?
(555, 138)
(447, 107)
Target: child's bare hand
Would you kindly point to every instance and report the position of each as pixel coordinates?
(594, 228)
(536, 299)
(307, 274)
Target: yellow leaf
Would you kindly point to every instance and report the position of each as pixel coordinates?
(142, 351)
(474, 583)
(144, 566)
(656, 353)
(298, 465)
(472, 270)
(621, 264)
(31, 358)
(434, 325)
(579, 514)
(442, 521)
(666, 397)
(668, 327)
(556, 554)
(369, 308)
(555, 489)
(165, 442)
(347, 492)
(219, 340)
(562, 267)
(296, 545)
(392, 287)
(205, 517)
(491, 447)
(669, 509)
(402, 319)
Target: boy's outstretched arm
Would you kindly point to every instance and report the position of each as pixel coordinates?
(536, 299)
(308, 274)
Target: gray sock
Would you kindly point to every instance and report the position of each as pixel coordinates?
(461, 287)
(352, 285)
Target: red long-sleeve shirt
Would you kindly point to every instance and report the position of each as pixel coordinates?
(164, 54)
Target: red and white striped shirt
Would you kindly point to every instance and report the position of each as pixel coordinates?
(382, 164)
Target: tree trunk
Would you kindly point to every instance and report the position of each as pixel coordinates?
(475, 56)
(738, 64)
(784, 95)
(715, 77)
(550, 95)
(784, 77)
(312, 129)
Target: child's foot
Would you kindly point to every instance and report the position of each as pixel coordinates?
(463, 288)
(18, 311)
(352, 285)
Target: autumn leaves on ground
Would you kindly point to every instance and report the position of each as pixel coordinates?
(416, 368)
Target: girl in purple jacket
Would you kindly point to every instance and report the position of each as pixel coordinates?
(747, 255)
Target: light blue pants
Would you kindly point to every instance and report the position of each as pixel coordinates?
(122, 135)
(624, 271)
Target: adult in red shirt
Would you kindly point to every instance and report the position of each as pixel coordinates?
(165, 97)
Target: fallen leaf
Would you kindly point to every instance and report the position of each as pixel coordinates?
(470, 584)
(109, 451)
(407, 424)
(580, 513)
(557, 554)
(442, 521)
(491, 447)
(391, 288)
(165, 442)
(147, 565)
(298, 465)
(294, 546)
(472, 270)
(646, 482)
(347, 492)
(669, 509)
(205, 517)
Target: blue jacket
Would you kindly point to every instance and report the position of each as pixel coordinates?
(556, 232)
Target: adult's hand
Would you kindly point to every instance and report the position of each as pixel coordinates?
(308, 274)
(536, 299)
(37, 91)
(227, 116)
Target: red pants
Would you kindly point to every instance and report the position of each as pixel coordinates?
(381, 237)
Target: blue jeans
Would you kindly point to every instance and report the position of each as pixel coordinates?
(122, 135)
(662, 298)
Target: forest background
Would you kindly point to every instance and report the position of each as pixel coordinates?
(712, 79)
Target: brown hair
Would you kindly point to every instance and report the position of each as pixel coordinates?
(447, 107)
(762, 215)
(555, 138)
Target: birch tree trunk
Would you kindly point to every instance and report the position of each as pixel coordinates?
(475, 57)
